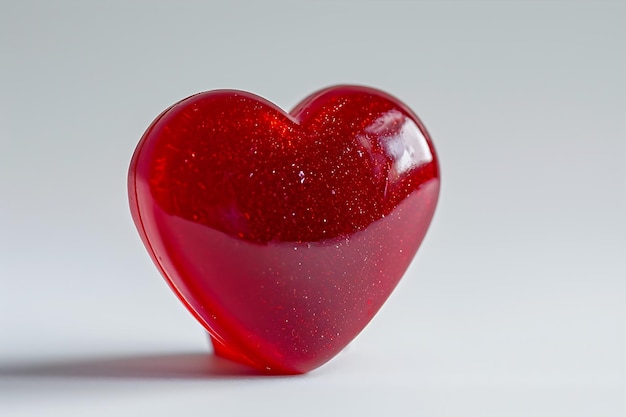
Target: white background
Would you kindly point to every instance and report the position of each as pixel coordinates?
(514, 305)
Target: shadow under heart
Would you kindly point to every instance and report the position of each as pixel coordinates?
(155, 366)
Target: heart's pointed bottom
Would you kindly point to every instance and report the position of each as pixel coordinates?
(223, 351)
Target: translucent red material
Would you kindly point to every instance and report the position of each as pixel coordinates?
(284, 233)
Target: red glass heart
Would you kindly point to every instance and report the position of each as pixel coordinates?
(284, 233)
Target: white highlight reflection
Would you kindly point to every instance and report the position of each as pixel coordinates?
(403, 141)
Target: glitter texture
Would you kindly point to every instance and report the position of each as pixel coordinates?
(284, 233)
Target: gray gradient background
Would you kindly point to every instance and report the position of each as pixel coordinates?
(514, 305)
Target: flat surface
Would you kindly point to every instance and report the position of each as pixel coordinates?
(514, 305)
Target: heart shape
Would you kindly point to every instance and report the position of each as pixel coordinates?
(284, 234)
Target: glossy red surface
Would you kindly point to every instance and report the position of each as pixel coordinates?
(284, 233)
